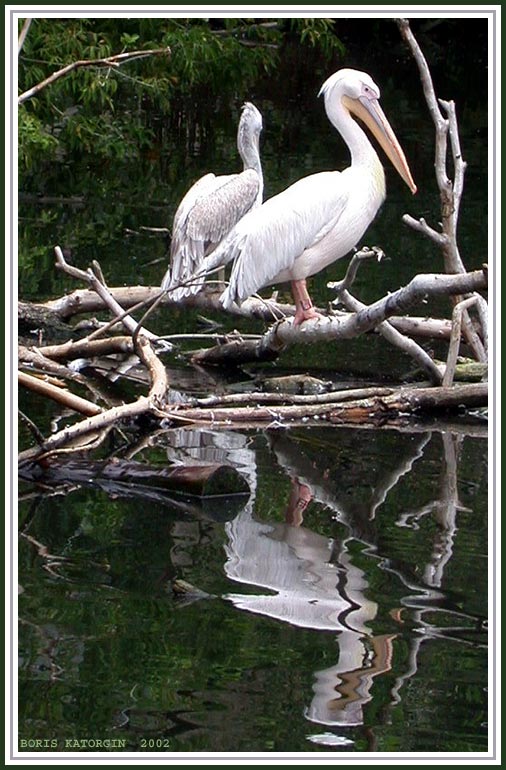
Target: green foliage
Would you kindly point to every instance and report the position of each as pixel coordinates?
(107, 112)
(318, 33)
(35, 141)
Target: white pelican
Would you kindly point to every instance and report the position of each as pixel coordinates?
(320, 218)
(213, 205)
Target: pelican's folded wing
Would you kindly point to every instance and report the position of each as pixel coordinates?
(217, 211)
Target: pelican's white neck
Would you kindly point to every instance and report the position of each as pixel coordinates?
(361, 150)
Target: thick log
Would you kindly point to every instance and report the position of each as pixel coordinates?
(346, 326)
(86, 301)
(236, 353)
(35, 318)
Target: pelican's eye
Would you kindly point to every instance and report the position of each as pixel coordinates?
(368, 92)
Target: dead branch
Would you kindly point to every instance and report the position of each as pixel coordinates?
(111, 62)
(407, 345)
(78, 436)
(33, 359)
(157, 372)
(85, 301)
(257, 398)
(38, 436)
(450, 192)
(453, 350)
(87, 348)
(97, 283)
(392, 335)
(23, 34)
(449, 204)
(423, 328)
(36, 317)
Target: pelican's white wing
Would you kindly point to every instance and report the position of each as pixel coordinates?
(269, 240)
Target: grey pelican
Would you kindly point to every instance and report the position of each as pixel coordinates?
(320, 218)
(212, 206)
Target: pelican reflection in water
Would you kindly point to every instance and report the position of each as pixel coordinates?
(312, 583)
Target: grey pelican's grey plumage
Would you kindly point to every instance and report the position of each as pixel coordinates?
(320, 218)
(212, 206)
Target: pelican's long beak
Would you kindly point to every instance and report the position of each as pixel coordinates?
(370, 112)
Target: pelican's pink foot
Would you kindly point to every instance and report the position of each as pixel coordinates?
(304, 309)
(305, 314)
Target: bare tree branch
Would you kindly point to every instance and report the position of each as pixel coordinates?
(450, 193)
(98, 285)
(70, 350)
(37, 362)
(110, 62)
(380, 406)
(23, 34)
(386, 330)
(453, 349)
(343, 327)
(100, 422)
(266, 398)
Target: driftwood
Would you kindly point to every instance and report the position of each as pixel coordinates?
(83, 301)
(62, 396)
(381, 404)
(95, 279)
(93, 429)
(86, 433)
(33, 317)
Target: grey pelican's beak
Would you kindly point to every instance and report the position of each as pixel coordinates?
(370, 112)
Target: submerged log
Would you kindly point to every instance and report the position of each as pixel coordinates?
(193, 480)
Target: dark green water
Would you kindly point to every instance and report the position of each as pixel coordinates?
(357, 626)
(366, 622)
